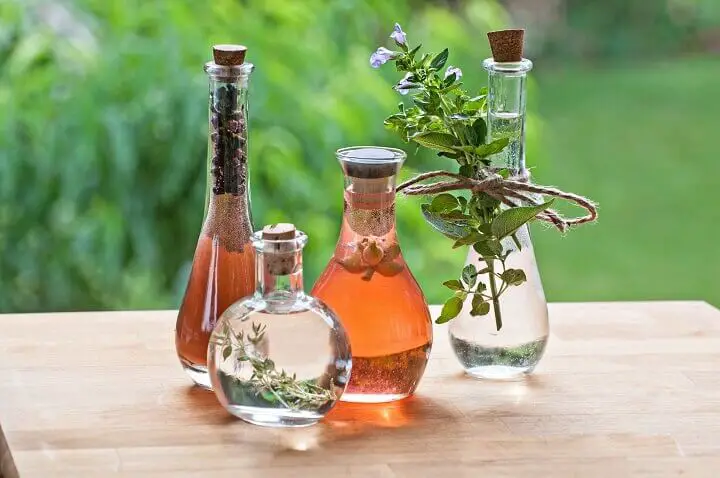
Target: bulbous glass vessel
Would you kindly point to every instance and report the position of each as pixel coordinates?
(515, 349)
(279, 357)
(510, 340)
(370, 286)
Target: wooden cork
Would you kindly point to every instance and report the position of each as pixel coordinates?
(279, 232)
(280, 248)
(506, 45)
(229, 55)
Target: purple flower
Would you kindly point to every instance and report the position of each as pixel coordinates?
(398, 35)
(381, 56)
(451, 70)
(404, 86)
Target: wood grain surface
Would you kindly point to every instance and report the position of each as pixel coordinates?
(625, 389)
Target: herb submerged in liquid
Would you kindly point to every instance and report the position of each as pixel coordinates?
(266, 383)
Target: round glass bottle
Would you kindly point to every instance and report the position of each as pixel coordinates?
(223, 267)
(369, 285)
(279, 357)
(509, 341)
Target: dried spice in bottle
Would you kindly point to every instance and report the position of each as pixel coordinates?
(223, 266)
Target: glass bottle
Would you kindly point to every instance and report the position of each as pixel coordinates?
(517, 346)
(369, 285)
(223, 267)
(279, 357)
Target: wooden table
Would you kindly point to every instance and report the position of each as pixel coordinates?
(625, 389)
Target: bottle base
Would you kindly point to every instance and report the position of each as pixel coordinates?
(372, 397)
(498, 363)
(273, 417)
(198, 374)
(499, 372)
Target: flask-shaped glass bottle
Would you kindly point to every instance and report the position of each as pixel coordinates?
(223, 267)
(369, 285)
(509, 346)
(279, 357)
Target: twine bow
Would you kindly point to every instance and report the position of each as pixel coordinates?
(513, 192)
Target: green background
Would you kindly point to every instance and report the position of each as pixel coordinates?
(103, 129)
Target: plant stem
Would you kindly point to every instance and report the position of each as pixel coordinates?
(493, 291)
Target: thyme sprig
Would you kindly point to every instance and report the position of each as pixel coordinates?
(445, 118)
(266, 382)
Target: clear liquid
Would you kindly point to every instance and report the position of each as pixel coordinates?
(304, 343)
(498, 362)
(483, 350)
(507, 125)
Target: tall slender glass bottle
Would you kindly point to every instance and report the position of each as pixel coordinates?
(224, 263)
(368, 284)
(516, 348)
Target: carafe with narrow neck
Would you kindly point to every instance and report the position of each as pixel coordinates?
(369, 285)
(510, 347)
(223, 267)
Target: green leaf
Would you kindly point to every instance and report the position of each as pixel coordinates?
(463, 203)
(450, 310)
(495, 246)
(461, 294)
(439, 61)
(479, 306)
(513, 276)
(435, 140)
(488, 247)
(479, 128)
(467, 170)
(444, 202)
(469, 275)
(496, 146)
(471, 238)
(454, 229)
(450, 88)
(453, 284)
(414, 51)
(510, 220)
(455, 215)
(516, 241)
(226, 352)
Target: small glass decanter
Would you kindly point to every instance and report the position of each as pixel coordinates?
(223, 266)
(510, 340)
(369, 285)
(279, 357)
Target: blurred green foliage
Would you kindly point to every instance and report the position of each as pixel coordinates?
(639, 141)
(103, 134)
(103, 129)
(630, 30)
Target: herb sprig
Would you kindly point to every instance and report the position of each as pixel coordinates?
(447, 119)
(266, 382)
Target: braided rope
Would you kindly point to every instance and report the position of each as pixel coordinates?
(512, 192)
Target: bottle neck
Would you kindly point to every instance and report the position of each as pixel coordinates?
(506, 100)
(369, 207)
(279, 275)
(228, 133)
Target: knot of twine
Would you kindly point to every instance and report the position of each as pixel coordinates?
(514, 191)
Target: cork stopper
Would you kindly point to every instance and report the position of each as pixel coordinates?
(280, 249)
(279, 232)
(229, 55)
(506, 45)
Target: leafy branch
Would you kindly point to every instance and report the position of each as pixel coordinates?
(447, 119)
(266, 382)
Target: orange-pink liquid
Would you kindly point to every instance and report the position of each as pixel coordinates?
(387, 321)
(218, 278)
